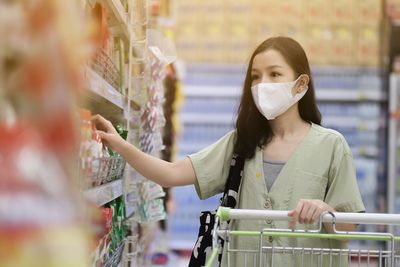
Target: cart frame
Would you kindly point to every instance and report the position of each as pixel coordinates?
(225, 214)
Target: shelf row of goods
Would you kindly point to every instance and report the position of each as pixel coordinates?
(141, 101)
(340, 32)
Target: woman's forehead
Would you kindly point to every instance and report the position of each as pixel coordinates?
(269, 59)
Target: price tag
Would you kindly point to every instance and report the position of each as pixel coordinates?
(363, 95)
(105, 195)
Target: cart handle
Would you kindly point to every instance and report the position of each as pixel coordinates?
(226, 214)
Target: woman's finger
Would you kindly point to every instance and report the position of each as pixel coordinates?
(311, 212)
(102, 124)
(295, 214)
(304, 212)
(104, 136)
(317, 213)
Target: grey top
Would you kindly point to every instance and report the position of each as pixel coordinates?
(271, 171)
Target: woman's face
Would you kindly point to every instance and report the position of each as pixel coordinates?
(271, 67)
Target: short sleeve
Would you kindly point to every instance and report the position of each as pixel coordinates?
(211, 166)
(343, 193)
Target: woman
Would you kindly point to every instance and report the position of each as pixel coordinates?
(292, 163)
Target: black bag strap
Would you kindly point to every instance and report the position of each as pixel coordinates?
(229, 199)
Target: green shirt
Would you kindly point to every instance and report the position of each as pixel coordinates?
(321, 167)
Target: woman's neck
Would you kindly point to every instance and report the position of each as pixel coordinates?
(289, 125)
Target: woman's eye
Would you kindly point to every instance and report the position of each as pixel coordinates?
(254, 77)
(275, 74)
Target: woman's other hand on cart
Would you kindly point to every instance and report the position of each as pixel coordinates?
(308, 211)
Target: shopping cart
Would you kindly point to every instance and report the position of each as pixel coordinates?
(268, 254)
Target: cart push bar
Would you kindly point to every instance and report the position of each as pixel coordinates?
(226, 214)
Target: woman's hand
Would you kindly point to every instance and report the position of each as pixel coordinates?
(159, 171)
(108, 134)
(308, 211)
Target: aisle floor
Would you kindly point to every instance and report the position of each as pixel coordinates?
(175, 261)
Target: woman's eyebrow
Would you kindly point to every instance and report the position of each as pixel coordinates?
(268, 67)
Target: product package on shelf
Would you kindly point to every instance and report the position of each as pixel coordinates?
(143, 194)
(147, 199)
(109, 58)
(99, 165)
(111, 244)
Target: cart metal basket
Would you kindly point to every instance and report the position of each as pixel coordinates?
(268, 254)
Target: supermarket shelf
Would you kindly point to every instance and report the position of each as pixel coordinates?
(242, 68)
(369, 151)
(190, 118)
(212, 91)
(349, 95)
(102, 88)
(321, 94)
(351, 122)
(331, 121)
(121, 24)
(104, 193)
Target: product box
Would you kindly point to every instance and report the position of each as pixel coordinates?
(239, 10)
(187, 12)
(264, 29)
(293, 29)
(291, 11)
(316, 42)
(187, 31)
(188, 50)
(212, 51)
(315, 11)
(367, 45)
(368, 11)
(237, 51)
(341, 11)
(212, 29)
(341, 48)
(267, 10)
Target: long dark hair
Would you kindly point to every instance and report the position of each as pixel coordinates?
(253, 129)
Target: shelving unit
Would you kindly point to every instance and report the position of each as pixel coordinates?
(104, 193)
(121, 23)
(102, 88)
(126, 88)
(117, 105)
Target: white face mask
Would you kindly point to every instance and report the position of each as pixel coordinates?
(273, 99)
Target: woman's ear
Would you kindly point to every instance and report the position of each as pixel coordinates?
(302, 83)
